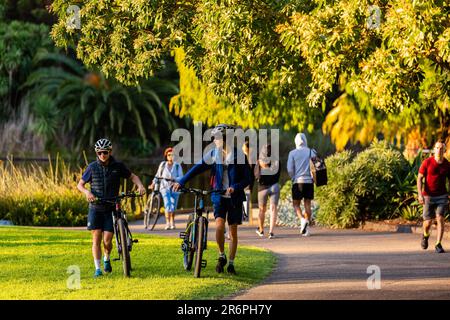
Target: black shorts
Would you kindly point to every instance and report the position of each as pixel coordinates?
(228, 211)
(98, 219)
(435, 206)
(302, 191)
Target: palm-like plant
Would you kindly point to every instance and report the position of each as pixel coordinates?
(90, 106)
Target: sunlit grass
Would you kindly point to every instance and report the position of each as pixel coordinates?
(34, 265)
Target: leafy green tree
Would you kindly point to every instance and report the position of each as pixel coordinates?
(74, 103)
(19, 41)
(278, 57)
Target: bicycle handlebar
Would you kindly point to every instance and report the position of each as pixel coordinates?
(119, 197)
(166, 179)
(200, 191)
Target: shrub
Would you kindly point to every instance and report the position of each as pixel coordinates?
(361, 187)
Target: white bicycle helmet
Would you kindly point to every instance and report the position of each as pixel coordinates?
(103, 144)
(221, 129)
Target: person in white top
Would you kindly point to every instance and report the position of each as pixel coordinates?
(302, 181)
(168, 169)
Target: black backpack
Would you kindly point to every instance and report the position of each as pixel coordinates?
(318, 169)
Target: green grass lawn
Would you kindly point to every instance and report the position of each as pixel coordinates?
(34, 265)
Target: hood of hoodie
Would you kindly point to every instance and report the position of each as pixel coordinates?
(300, 140)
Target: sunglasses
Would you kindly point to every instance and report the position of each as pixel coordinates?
(102, 152)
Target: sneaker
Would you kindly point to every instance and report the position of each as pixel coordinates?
(424, 242)
(439, 248)
(107, 266)
(98, 273)
(172, 227)
(222, 261)
(259, 233)
(304, 226)
(167, 227)
(306, 234)
(271, 236)
(230, 269)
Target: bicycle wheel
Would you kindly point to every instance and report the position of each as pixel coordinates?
(153, 211)
(200, 246)
(126, 260)
(188, 252)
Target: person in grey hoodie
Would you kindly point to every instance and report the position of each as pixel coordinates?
(302, 181)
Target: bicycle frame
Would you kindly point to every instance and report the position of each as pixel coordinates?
(198, 212)
(119, 214)
(191, 242)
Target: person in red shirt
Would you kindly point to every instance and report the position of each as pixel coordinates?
(432, 193)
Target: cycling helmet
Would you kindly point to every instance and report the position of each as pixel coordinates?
(103, 144)
(221, 129)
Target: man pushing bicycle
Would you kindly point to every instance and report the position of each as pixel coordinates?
(104, 176)
(227, 174)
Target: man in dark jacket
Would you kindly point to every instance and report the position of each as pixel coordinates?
(226, 174)
(104, 176)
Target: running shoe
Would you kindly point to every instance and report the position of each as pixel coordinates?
(222, 261)
(271, 235)
(230, 269)
(107, 266)
(439, 248)
(98, 273)
(424, 242)
(304, 227)
(259, 233)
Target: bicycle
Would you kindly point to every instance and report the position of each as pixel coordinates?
(152, 209)
(123, 236)
(196, 234)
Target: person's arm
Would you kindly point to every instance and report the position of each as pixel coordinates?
(420, 188)
(244, 182)
(420, 176)
(86, 178)
(135, 179)
(180, 171)
(198, 168)
(158, 174)
(81, 186)
(127, 174)
(290, 166)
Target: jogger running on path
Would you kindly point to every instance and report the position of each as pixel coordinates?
(432, 193)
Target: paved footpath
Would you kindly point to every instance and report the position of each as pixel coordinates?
(332, 264)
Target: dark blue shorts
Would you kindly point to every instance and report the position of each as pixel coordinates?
(100, 220)
(228, 211)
